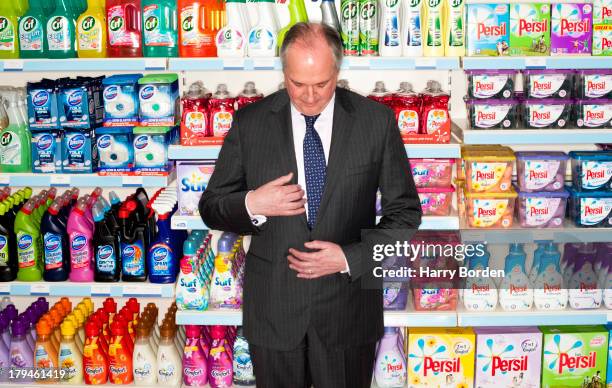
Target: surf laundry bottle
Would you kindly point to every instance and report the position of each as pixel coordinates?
(231, 40)
(33, 31)
(15, 155)
(9, 30)
(124, 20)
(80, 235)
(91, 31)
(160, 28)
(55, 242)
(61, 34)
(297, 14)
(107, 249)
(28, 244)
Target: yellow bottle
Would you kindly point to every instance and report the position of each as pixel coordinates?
(454, 28)
(70, 357)
(91, 30)
(433, 20)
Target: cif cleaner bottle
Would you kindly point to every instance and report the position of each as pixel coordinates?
(199, 22)
(15, 140)
(262, 40)
(32, 32)
(9, 44)
(160, 28)
(28, 244)
(91, 31)
(124, 28)
(297, 14)
(231, 40)
(107, 262)
(55, 241)
(61, 31)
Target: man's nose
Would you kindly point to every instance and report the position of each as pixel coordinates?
(310, 94)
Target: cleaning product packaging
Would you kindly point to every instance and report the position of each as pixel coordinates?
(121, 102)
(488, 32)
(433, 22)
(529, 29)
(47, 151)
(571, 29)
(602, 39)
(151, 150)
(80, 102)
(454, 28)
(159, 100)
(602, 12)
(192, 179)
(79, 151)
(42, 105)
(115, 150)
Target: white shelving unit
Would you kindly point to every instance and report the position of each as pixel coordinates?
(567, 234)
(83, 64)
(67, 288)
(82, 180)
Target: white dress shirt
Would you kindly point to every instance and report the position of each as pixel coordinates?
(323, 126)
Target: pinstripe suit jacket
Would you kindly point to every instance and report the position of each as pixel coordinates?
(366, 153)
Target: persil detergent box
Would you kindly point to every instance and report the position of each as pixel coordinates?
(508, 357)
(441, 357)
(574, 356)
(602, 12)
(488, 29)
(571, 29)
(529, 29)
(602, 39)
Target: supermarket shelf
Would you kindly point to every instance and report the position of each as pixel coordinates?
(532, 318)
(519, 63)
(84, 64)
(452, 150)
(569, 234)
(392, 318)
(82, 180)
(211, 64)
(428, 223)
(531, 136)
(87, 289)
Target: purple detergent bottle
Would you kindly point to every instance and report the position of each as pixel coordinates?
(390, 366)
(220, 366)
(20, 352)
(5, 333)
(195, 368)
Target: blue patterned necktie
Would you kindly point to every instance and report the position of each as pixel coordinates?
(315, 169)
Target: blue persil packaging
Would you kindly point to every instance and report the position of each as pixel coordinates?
(80, 151)
(121, 100)
(488, 29)
(42, 105)
(151, 150)
(159, 100)
(115, 150)
(47, 151)
(79, 107)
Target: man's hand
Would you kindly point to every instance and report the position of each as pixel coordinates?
(277, 198)
(327, 259)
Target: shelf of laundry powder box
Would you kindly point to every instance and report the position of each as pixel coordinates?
(531, 317)
(82, 180)
(519, 63)
(17, 288)
(84, 64)
(427, 222)
(349, 63)
(531, 136)
(452, 150)
(392, 318)
(567, 234)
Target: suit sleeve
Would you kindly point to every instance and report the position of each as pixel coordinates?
(401, 208)
(222, 205)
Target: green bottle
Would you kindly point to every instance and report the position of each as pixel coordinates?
(9, 39)
(61, 37)
(368, 27)
(15, 140)
(29, 255)
(32, 31)
(297, 13)
(160, 28)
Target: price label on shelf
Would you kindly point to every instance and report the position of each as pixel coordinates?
(155, 63)
(233, 63)
(429, 63)
(143, 289)
(5, 288)
(60, 180)
(132, 181)
(13, 65)
(264, 62)
(535, 62)
(358, 62)
(5, 180)
(39, 289)
(101, 289)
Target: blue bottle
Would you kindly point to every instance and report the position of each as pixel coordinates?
(55, 243)
(162, 256)
(107, 260)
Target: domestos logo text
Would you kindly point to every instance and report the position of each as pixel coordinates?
(104, 141)
(129, 252)
(40, 98)
(25, 242)
(29, 24)
(44, 142)
(4, 23)
(79, 242)
(160, 253)
(111, 92)
(147, 92)
(116, 23)
(88, 23)
(105, 252)
(76, 142)
(141, 142)
(151, 23)
(52, 243)
(75, 98)
(2, 243)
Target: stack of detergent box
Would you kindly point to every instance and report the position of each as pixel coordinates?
(141, 114)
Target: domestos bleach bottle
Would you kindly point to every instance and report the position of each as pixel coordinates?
(390, 29)
(160, 28)
(412, 37)
(263, 37)
(32, 31)
(231, 40)
(28, 244)
(91, 31)
(515, 292)
(549, 291)
(61, 31)
(55, 242)
(80, 234)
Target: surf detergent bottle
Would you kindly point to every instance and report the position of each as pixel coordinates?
(61, 35)
(15, 155)
(231, 40)
(28, 244)
(91, 31)
(33, 31)
(107, 262)
(9, 25)
(199, 23)
(297, 14)
(55, 242)
(124, 22)
(160, 28)
(80, 235)
(262, 39)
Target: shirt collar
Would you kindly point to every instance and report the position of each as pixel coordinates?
(325, 114)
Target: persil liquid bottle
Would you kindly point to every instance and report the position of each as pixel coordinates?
(434, 115)
(194, 125)
(248, 96)
(407, 107)
(221, 111)
(124, 18)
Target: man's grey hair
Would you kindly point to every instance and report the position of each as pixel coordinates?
(306, 32)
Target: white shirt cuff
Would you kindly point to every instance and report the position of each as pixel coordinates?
(256, 220)
(348, 269)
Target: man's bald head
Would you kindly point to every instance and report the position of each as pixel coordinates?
(316, 37)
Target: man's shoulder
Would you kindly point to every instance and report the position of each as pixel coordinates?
(361, 105)
(267, 103)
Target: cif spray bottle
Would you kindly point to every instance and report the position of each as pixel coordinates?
(15, 139)
(231, 40)
(263, 36)
(91, 30)
(9, 42)
(32, 31)
(160, 28)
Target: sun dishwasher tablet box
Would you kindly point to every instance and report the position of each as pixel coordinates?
(79, 151)
(574, 356)
(529, 29)
(192, 179)
(488, 29)
(47, 151)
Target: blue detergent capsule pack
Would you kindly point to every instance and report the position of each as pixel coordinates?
(121, 103)
(115, 150)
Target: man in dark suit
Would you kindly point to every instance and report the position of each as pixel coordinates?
(306, 315)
